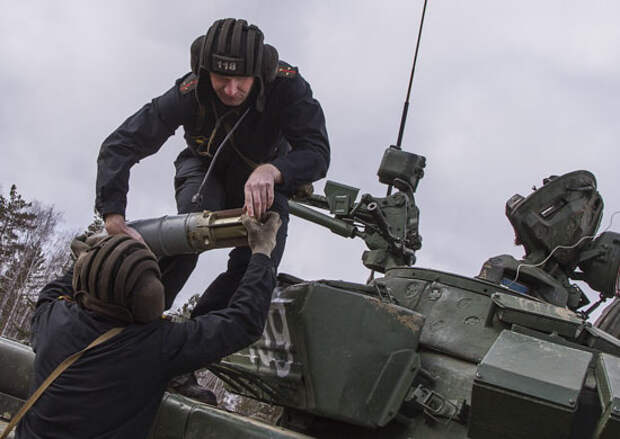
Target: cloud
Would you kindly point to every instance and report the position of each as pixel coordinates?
(506, 93)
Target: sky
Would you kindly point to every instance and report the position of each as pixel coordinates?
(506, 93)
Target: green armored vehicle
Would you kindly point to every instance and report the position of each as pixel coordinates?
(416, 353)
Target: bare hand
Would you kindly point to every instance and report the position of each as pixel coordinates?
(115, 225)
(262, 236)
(259, 189)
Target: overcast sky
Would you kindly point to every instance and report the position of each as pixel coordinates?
(506, 93)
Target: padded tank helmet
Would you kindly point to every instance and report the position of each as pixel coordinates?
(233, 48)
(119, 278)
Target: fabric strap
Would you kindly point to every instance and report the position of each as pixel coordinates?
(55, 374)
(252, 164)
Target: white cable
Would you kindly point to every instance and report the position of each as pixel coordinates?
(566, 247)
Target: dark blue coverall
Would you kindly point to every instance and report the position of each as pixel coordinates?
(289, 133)
(113, 391)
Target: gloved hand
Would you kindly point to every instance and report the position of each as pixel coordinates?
(262, 235)
(83, 242)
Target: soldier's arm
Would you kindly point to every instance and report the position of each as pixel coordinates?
(49, 297)
(303, 124)
(209, 337)
(205, 339)
(61, 286)
(141, 135)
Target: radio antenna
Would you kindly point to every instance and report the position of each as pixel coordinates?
(403, 118)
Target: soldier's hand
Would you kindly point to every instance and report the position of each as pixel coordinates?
(262, 235)
(259, 189)
(115, 225)
(83, 242)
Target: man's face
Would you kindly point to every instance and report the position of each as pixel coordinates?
(231, 90)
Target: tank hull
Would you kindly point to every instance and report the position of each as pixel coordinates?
(417, 354)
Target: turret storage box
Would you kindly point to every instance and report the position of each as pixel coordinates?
(332, 350)
(608, 384)
(527, 388)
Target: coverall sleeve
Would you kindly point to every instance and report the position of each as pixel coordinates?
(205, 339)
(48, 298)
(139, 136)
(303, 125)
(61, 286)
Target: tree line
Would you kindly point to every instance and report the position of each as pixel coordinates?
(34, 249)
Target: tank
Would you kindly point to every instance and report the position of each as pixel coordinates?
(414, 352)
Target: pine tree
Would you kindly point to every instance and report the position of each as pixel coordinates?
(15, 217)
(32, 251)
(40, 255)
(35, 251)
(16, 220)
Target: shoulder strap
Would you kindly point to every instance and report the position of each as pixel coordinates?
(286, 70)
(252, 164)
(55, 374)
(188, 84)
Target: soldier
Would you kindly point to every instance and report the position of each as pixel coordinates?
(114, 389)
(261, 115)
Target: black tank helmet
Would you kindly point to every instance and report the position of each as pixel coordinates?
(119, 278)
(232, 47)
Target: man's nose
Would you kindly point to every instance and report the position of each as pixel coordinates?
(231, 87)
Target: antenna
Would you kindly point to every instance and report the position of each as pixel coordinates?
(403, 118)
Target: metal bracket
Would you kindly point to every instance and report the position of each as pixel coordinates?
(384, 293)
(435, 405)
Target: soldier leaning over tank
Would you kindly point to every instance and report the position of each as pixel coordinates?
(115, 388)
(278, 142)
